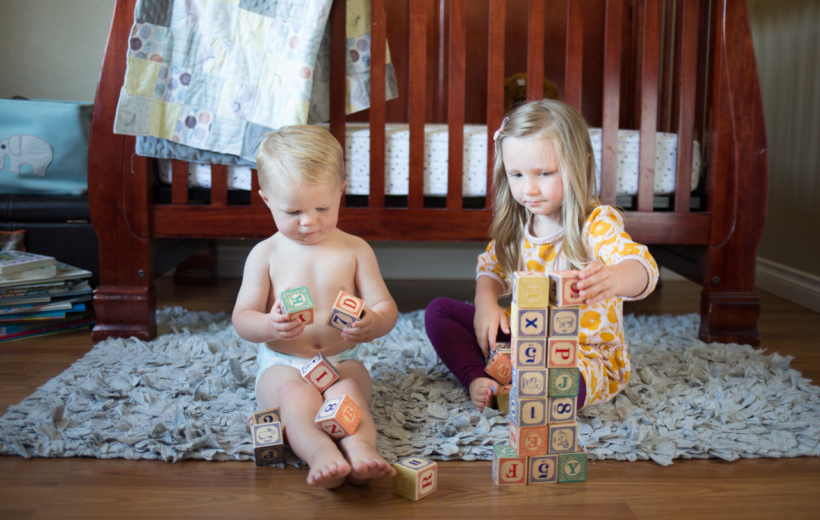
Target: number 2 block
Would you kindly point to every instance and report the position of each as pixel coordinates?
(320, 373)
(339, 417)
(415, 478)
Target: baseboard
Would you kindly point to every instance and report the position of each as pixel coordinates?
(788, 283)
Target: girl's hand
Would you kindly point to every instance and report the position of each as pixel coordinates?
(488, 317)
(364, 330)
(280, 327)
(599, 282)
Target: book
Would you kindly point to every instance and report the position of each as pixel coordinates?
(6, 330)
(49, 330)
(42, 316)
(38, 273)
(64, 272)
(38, 295)
(15, 261)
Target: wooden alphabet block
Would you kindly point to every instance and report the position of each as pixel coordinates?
(530, 290)
(562, 410)
(297, 304)
(339, 417)
(529, 441)
(529, 382)
(268, 447)
(572, 467)
(415, 478)
(564, 288)
(563, 438)
(349, 304)
(564, 322)
(503, 399)
(563, 382)
(508, 467)
(320, 373)
(340, 320)
(503, 347)
(563, 352)
(500, 368)
(543, 469)
(265, 416)
(527, 412)
(529, 323)
(529, 353)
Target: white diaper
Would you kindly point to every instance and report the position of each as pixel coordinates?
(266, 358)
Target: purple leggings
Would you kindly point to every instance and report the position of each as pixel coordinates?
(449, 325)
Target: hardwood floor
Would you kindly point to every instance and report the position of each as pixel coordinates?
(92, 488)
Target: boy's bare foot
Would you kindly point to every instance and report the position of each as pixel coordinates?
(365, 461)
(328, 468)
(481, 388)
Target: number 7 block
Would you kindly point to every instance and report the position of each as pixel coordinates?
(346, 311)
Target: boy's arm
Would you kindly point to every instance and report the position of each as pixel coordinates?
(250, 318)
(381, 312)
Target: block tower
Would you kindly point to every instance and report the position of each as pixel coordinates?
(542, 404)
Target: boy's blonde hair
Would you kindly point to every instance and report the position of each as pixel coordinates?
(569, 133)
(300, 154)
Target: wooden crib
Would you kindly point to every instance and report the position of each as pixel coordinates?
(682, 66)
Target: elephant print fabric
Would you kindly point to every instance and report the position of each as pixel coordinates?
(602, 355)
(25, 151)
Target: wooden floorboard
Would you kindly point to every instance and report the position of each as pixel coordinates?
(92, 488)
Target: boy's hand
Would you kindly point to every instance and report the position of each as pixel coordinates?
(280, 327)
(599, 282)
(364, 330)
(488, 318)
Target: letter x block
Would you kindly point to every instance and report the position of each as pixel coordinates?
(267, 443)
(500, 368)
(508, 467)
(572, 467)
(320, 373)
(298, 305)
(346, 311)
(265, 416)
(529, 323)
(339, 417)
(564, 288)
(415, 478)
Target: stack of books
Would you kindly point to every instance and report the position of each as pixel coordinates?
(41, 296)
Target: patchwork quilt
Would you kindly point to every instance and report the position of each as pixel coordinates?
(215, 75)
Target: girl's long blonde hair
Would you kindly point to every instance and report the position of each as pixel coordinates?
(568, 131)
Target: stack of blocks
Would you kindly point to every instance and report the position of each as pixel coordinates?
(266, 432)
(545, 382)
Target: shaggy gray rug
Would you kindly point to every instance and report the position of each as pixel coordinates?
(187, 394)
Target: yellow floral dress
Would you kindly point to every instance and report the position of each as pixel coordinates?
(603, 357)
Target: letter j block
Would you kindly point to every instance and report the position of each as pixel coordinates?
(339, 417)
(320, 373)
(415, 478)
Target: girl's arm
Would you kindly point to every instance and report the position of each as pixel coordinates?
(599, 282)
(488, 314)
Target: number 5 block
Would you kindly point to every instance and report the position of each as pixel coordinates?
(339, 417)
(320, 373)
(415, 478)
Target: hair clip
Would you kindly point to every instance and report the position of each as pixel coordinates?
(497, 134)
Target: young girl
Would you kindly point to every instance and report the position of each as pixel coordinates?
(547, 218)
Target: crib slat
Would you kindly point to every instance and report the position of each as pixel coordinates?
(179, 182)
(338, 51)
(256, 199)
(649, 104)
(495, 85)
(417, 92)
(668, 64)
(613, 32)
(535, 50)
(687, 60)
(573, 66)
(378, 34)
(219, 185)
(455, 104)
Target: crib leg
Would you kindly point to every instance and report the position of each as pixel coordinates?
(729, 317)
(123, 312)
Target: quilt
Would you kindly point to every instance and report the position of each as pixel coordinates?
(215, 75)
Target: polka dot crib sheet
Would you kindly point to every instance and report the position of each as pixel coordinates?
(436, 142)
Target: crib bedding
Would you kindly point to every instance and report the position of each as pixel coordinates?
(397, 151)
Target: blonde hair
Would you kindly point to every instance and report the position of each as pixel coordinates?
(301, 154)
(568, 131)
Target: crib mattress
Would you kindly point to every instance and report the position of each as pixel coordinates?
(397, 152)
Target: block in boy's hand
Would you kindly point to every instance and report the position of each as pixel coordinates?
(572, 467)
(340, 320)
(563, 438)
(297, 304)
(500, 368)
(265, 416)
(563, 322)
(339, 417)
(268, 447)
(530, 290)
(508, 467)
(415, 478)
(563, 352)
(320, 373)
(564, 288)
(349, 304)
